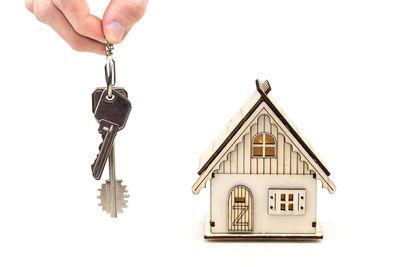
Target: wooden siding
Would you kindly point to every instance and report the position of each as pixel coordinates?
(286, 161)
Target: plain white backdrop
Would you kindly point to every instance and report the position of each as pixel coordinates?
(189, 66)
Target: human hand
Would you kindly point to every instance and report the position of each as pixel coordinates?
(84, 32)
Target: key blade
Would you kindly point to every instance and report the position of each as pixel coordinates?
(110, 131)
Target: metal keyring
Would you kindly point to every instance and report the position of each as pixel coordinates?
(109, 48)
(109, 68)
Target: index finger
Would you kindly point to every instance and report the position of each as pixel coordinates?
(78, 14)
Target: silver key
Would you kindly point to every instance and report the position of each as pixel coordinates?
(113, 197)
(112, 115)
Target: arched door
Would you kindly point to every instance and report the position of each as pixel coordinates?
(240, 209)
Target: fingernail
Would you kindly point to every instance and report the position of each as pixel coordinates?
(115, 32)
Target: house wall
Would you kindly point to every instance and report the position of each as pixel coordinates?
(259, 185)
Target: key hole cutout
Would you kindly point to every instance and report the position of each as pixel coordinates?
(110, 98)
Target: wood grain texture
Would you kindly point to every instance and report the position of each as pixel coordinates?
(240, 161)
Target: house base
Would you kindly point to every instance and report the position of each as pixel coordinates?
(250, 237)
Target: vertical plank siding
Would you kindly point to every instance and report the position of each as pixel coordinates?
(274, 161)
(260, 129)
(253, 161)
(286, 161)
(240, 158)
(247, 151)
(280, 153)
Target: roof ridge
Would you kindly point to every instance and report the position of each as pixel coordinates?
(263, 88)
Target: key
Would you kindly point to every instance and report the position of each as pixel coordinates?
(96, 96)
(112, 115)
(113, 195)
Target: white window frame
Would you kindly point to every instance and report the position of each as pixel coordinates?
(275, 201)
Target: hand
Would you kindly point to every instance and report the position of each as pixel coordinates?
(84, 32)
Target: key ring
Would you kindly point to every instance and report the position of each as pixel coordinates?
(109, 68)
(109, 48)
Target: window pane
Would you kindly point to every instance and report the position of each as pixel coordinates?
(257, 151)
(269, 139)
(258, 139)
(286, 201)
(270, 151)
(240, 200)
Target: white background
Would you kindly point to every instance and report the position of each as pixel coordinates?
(189, 66)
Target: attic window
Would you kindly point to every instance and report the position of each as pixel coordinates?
(263, 145)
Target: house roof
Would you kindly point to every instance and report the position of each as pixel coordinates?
(259, 96)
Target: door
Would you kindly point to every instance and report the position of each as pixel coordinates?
(240, 209)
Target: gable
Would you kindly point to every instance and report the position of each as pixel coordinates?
(231, 151)
(239, 160)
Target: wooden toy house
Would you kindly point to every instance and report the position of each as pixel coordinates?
(263, 176)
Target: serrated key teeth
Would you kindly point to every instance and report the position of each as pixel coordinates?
(102, 127)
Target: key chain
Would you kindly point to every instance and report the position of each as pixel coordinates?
(111, 109)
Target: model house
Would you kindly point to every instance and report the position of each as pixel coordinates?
(263, 176)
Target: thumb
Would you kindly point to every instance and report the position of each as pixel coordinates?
(120, 16)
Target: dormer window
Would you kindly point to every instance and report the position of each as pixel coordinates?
(263, 145)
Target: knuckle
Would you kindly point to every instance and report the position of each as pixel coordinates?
(59, 3)
(78, 27)
(43, 10)
(74, 12)
(76, 45)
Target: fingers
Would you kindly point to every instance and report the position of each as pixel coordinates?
(72, 20)
(78, 14)
(120, 16)
(48, 13)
